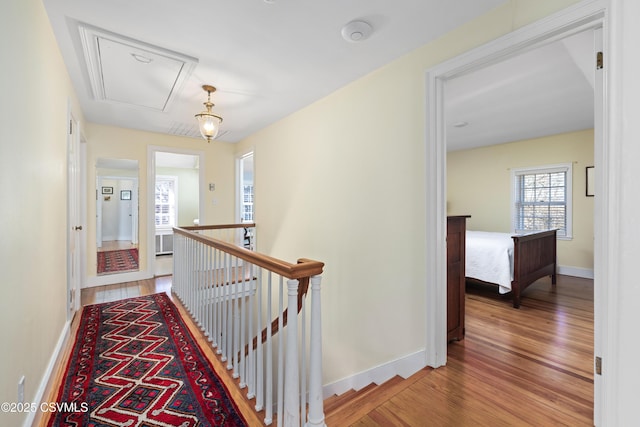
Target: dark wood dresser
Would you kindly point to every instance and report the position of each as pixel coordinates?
(456, 237)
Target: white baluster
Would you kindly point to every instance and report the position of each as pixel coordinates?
(292, 374)
(280, 373)
(315, 417)
(243, 325)
(259, 378)
(302, 357)
(230, 313)
(235, 285)
(250, 356)
(269, 354)
(223, 297)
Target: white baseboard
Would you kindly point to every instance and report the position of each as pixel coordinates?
(109, 279)
(404, 367)
(585, 273)
(57, 351)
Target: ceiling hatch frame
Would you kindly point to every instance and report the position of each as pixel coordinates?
(125, 70)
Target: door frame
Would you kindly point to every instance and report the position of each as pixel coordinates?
(588, 14)
(75, 220)
(151, 194)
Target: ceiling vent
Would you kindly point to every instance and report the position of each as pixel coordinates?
(128, 71)
(190, 130)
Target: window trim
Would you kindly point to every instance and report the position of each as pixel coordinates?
(560, 167)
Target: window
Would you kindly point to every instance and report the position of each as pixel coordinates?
(542, 199)
(245, 187)
(166, 188)
(247, 203)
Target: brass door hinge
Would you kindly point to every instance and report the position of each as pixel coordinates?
(599, 61)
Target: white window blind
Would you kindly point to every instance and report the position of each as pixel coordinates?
(542, 199)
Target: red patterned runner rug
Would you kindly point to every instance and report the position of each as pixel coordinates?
(135, 363)
(117, 261)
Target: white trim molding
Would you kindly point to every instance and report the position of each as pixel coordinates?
(46, 377)
(403, 367)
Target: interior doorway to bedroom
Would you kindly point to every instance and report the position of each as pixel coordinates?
(490, 196)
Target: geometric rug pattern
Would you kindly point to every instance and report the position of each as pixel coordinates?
(135, 363)
(117, 261)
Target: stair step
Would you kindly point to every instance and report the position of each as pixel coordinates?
(351, 406)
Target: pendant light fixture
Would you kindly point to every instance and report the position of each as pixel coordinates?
(208, 122)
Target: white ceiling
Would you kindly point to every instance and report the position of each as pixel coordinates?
(270, 58)
(267, 58)
(542, 92)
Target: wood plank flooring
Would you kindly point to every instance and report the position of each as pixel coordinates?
(528, 366)
(515, 367)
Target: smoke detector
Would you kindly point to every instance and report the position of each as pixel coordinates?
(356, 31)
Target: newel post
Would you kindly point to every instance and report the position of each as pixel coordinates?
(291, 374)
(315, 417)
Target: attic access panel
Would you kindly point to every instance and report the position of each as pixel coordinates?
(128, 71)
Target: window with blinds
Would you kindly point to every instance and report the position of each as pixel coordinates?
(542, 199)
(165, 208)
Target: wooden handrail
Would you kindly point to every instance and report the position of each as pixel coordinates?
(304, 267)
(219, 226)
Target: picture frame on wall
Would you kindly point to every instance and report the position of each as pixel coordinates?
(125, 195)
(590, 187)
(107, 190)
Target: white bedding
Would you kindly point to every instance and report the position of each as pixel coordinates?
(489, 257)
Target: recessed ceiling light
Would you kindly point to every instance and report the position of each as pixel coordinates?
(460, 124)
(356, 31)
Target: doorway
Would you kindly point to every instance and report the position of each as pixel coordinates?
(116, 216)
(175, 197)
(570, 21)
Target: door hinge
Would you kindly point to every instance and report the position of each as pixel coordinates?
(599, 61)
(71, 127)
(598, 365)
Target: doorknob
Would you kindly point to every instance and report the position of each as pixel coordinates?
(78, 228)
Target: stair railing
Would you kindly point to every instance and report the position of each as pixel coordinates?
(237, 297)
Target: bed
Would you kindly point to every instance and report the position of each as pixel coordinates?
(512, 262)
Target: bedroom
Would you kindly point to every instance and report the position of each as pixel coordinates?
(539, 115)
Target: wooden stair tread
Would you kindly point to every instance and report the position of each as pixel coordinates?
(352, 405)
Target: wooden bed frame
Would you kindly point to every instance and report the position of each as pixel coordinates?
(534, 256)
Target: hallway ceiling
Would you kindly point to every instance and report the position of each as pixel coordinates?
(141, 64)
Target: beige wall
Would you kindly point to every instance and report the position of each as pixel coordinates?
(479, 184)
(119, 143)
(188, 192)
(343, 181)
(36, 93)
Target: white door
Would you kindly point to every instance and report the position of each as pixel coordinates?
(74, 221)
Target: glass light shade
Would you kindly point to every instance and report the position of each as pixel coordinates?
(209, 125)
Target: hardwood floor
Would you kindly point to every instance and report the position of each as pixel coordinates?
(114, 245)
(528, 366)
